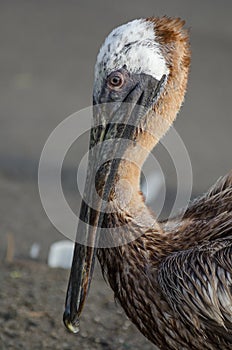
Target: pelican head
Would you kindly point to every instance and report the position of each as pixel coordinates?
(140, 80)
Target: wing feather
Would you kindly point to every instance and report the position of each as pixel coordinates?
(216, 201)
(197, 284)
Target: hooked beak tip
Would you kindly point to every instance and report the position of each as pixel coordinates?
(72, 326)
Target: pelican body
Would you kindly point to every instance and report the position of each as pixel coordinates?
(173, 278)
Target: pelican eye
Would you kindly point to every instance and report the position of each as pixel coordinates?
(115, 80)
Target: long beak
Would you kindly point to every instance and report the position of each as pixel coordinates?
(121, 124)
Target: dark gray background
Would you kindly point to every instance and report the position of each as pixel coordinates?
(47, 56)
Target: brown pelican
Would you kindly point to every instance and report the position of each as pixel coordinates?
(173, 278)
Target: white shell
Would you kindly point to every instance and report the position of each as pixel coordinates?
(133, 44)
(60, 254)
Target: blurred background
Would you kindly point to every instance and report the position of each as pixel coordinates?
(47, 57)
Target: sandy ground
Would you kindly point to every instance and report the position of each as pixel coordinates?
(47, 55)
(31, 305)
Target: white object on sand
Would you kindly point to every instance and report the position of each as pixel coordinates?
(60, 254)
(34, 251)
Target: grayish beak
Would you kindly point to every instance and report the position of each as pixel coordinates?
(111, 122)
